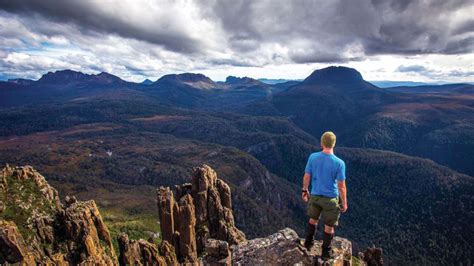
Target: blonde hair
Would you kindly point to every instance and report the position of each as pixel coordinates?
(328, 139)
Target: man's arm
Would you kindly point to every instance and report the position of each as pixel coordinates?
(304, 192)
(341, 187)
(306, 179)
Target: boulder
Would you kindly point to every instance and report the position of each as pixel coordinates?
(217, 253)
(372, 256)
(168, 253)
(285, 248)
(138, 252)
(129, 251)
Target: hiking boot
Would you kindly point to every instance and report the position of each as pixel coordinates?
(308, 244)
(326, 253)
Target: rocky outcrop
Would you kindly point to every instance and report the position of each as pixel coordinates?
(214, 214)
(177, 220)
(141, 252)
(202, 211)
(372, 256)
(186, 223)
(12, 245)
(35, 228)
(217, 253)
(28, 174)
(197, 229)
(166, 204)
(85, 234)
(168, 253)
(284, 248)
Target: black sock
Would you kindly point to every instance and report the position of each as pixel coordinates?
(310, 233)
(327, 238)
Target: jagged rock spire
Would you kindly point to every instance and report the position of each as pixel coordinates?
(166, 204)
(213, 201)
(202, 210)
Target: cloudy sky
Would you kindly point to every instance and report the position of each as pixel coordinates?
(426, 40)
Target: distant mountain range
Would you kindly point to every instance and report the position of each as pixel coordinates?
(391, 83)
(93, 135)
(277, 81)
(379, 83)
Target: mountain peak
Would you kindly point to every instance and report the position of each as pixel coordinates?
(105, 77)
(192, 79)
(233, 80)
(186, 77)
(241, 81)
(68, 76)
(62, 76)
(334, 75)
(147, 82)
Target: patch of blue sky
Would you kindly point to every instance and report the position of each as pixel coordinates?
(53, 50)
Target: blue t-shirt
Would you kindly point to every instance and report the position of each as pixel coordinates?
(325, 169)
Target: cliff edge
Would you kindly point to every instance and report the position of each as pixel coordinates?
(197, 225)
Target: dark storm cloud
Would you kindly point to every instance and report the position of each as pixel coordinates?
(236, 17)
(257, 33)
(402, 27)
(466, 45)
(91, 19)
(320, 57)
(415, 27)
(231, 62)
(465, 27)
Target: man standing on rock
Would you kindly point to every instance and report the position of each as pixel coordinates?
(327, 174)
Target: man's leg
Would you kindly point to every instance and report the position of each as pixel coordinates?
(330, 216)
(308, 242)
(313, 211)
(327, 239)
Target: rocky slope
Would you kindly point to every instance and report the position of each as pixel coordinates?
(197, 229)
(36, 228)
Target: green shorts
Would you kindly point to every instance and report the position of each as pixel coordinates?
(327, 208)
